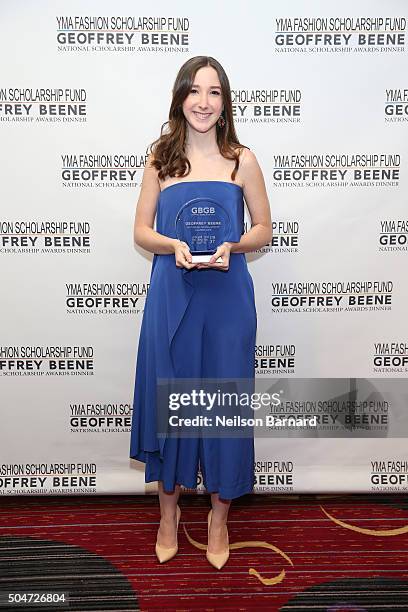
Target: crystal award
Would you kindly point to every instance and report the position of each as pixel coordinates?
(204, 224)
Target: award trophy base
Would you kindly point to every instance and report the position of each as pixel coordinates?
(204, 259)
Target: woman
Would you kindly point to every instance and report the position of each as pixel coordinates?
(199, 318)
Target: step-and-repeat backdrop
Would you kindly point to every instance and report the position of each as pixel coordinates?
(320, 94)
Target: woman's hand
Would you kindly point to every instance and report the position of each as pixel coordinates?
(182, 255)
(223, 251)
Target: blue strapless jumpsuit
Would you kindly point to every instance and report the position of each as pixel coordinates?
(196, 323)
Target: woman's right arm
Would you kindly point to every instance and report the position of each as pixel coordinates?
(143, 232)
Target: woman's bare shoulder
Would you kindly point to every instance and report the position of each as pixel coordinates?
(240, 150)
(149, 161)
(245, 155)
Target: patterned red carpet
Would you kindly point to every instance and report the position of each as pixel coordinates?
(331, 553)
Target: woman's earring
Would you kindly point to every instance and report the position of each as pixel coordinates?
(221, 121)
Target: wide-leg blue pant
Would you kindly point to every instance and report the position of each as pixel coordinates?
(216, 339)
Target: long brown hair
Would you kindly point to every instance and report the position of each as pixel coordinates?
(168, 150)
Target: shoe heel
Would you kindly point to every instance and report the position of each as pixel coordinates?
(165, 553)
(218, 560)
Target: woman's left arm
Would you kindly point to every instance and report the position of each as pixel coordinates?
(257, 201)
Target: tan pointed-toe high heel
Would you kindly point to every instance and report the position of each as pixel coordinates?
(164, 553)
(217, 559)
